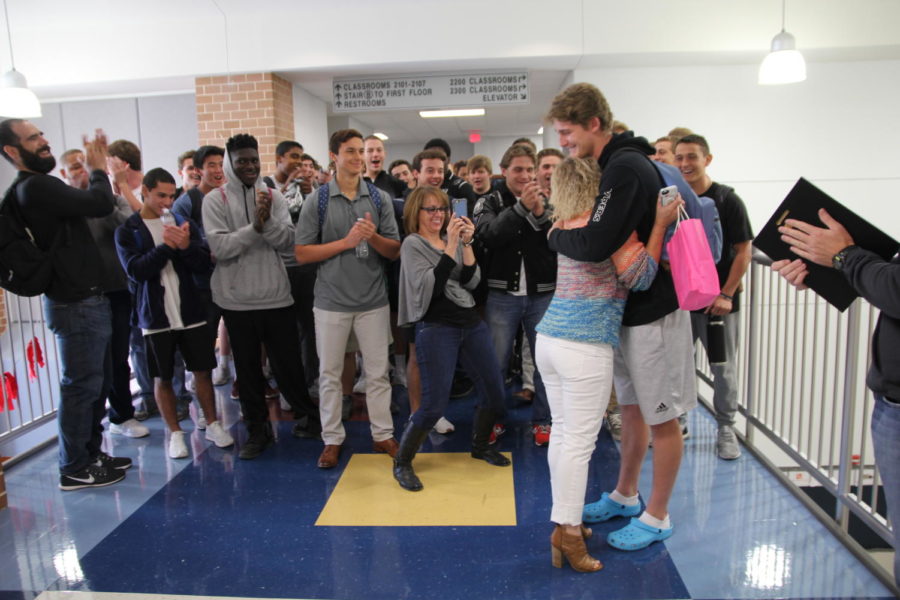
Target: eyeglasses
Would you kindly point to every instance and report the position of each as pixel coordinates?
(434, 209)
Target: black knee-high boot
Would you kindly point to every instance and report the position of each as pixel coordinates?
(481, 434)
(409, 444)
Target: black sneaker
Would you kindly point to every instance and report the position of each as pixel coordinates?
(306, 433)
(254, 446)
(307, 429)
(120, 463)
(90, 477)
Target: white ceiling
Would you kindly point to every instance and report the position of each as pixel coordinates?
(101, 48)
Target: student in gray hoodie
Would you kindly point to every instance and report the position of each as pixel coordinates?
(247, 226)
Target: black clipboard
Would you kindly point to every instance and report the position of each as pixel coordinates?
(803, 203)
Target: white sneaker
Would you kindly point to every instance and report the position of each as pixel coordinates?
(218, 436)
(360, 386)
(177, 447)
(283, 403)
(727, 446)
(130, 428)
(221, 374)
(444, 426)
(201, 419)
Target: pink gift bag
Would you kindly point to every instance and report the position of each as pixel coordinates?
(693, 269)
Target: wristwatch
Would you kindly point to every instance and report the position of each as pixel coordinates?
(837, 261)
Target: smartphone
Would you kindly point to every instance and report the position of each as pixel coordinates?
(460, 207)
(667, 194)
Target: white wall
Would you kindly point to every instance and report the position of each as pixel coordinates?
(837, 129)
(162, 126)
(311, 124)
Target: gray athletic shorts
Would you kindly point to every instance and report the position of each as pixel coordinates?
(654, 368)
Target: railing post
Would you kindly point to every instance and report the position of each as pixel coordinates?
(851, 366)
(752, 351)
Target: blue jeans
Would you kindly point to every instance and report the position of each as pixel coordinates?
(886, 440)
(437, 349)
(504, 313)
(83, 330)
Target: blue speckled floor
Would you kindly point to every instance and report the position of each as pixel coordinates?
(213, 525)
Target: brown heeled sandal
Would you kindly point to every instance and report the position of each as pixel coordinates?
(574, 550)
(586, 533)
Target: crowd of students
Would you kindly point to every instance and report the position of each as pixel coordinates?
(301, 276)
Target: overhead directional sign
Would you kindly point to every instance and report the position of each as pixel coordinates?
(430, 91)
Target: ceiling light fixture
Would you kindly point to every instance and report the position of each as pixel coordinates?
(16, 100)
(459, 112)
(381, 136)
(784, 64)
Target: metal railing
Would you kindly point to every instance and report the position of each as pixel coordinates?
(28, 390)
(805, 404)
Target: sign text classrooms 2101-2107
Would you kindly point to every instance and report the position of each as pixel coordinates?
(430, 91)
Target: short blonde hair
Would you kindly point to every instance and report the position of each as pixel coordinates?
(574, 185)
(414, 203)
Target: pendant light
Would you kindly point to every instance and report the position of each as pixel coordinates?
(784, 64)
(16, 100)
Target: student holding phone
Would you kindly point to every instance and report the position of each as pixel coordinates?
(437, 275)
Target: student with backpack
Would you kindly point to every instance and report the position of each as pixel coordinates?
(43, 221)
(349, 230)
(692, 156)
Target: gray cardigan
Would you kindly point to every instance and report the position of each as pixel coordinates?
(417, 261)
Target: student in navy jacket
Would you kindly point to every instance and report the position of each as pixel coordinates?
(160, 260)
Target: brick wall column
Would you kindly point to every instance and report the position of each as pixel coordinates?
(261, 104)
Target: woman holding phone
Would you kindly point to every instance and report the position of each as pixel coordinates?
(437, 276)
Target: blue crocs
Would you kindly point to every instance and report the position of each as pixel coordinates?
(637, 535)
(605, 509)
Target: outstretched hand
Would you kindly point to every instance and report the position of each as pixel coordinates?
(813, 243)
(96, 150)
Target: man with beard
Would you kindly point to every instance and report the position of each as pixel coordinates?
(247, 227)
(75, 309)
(115, 287)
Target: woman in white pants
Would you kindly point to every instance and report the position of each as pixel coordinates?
(575, 345)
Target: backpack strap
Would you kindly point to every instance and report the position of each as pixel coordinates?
(324, 194)
(323, 207)
(374, 196)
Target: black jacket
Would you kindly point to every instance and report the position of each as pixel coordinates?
(390, 184)
(626, 202)
(878, 282)
(49, 205)
(508, 232)
(456, 188)
(143, 262)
